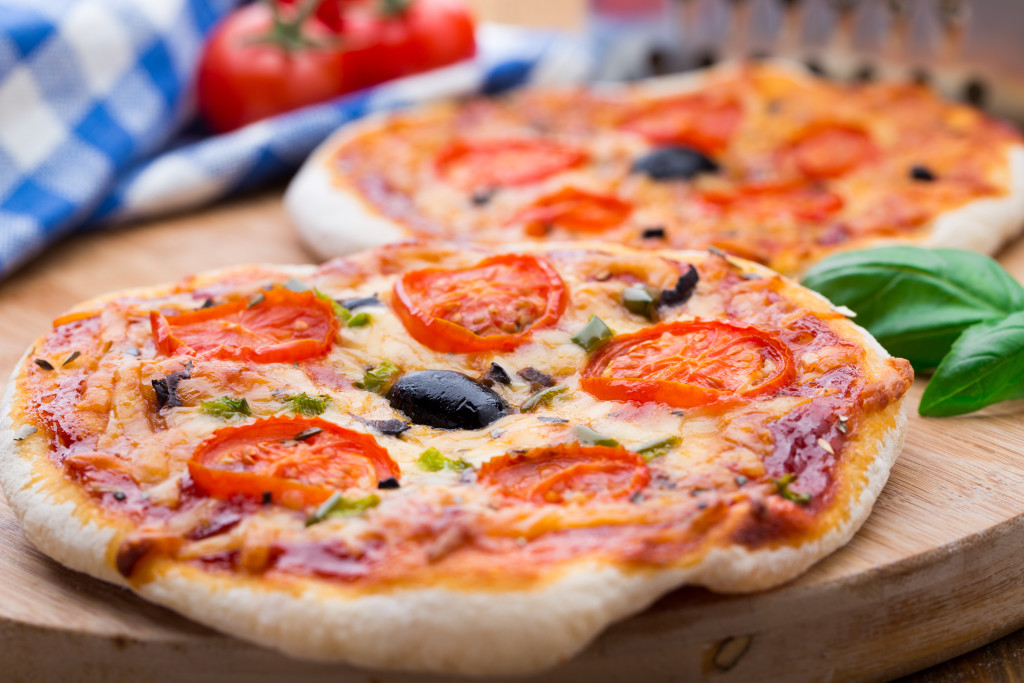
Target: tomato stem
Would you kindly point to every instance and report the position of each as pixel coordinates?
(306, 9)
(286, 33)
(394, 8)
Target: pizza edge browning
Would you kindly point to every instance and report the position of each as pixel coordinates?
(318, 194)
(438, 629)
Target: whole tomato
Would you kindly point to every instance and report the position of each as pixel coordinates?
(401, 37)
(255, 66)
(268, 58)
(418, 35)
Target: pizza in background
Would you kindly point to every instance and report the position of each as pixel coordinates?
(763, 161)
(450, 458)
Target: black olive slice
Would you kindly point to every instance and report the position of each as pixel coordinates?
(167, 388)
(536, 378)
(683, 290)
(674, 163)
(922, 174)
(446, 399)
(495, 375)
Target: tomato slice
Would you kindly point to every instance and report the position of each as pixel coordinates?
(264, 457)
(832, 151)
(764, 201)
(573, 209)
(689, 364)
(282, 327)
(566, 473)
(702, 121)
(505, 162)
(493, 306)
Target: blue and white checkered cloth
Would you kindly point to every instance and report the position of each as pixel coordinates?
(96, 102)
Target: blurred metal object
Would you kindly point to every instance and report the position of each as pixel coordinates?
(971, 50)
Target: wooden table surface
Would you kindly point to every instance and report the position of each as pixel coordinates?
(255, 229)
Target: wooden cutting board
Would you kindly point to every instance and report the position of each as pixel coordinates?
(936, 571)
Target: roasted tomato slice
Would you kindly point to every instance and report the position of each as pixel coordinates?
(573, 209)
(298, 461)
(566, 473)
(831, 151)
(493, 306)
(504, 162)
(276, 326)
(705, 122)
(765, 201)
(689, 364)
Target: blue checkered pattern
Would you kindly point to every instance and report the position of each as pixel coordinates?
(95, 112)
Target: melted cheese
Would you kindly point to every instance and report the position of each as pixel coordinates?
(443, 517)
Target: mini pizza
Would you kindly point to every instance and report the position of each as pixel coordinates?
(766, 162)
(449, 458)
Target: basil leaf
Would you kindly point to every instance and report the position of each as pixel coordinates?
(782, 488)
(588, 437)
(432, 460)
(226, 407)
(307, 405)
(378, 379)
(359, 319)
(657, 448)
(342, 313)
(339, 506)
(917, 301)
(985, 366)
(542, 398)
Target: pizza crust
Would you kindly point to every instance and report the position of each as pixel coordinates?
(330, 215)
(434, 630)
(985, 225)
(497, 632)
